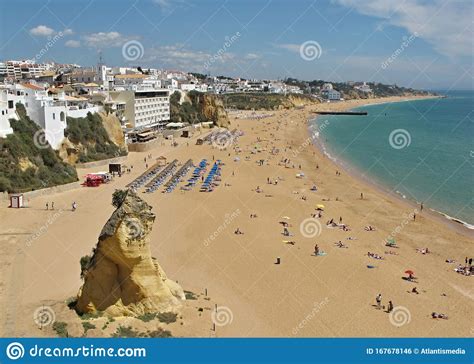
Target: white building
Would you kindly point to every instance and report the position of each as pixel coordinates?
(364, 88)
(144, 108)
(7, 112)
(50, 112)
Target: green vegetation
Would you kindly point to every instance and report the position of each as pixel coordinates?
(167, 317)
(258, 101)
(27, 161)
(85, 262)
(125, 332)
(146, 317)
(87, 326)
(91, 134)
(252, 101)
(91, 315)
(190, 295)
(60, 328)
(348, 91)
(187, 112)
(117, 198)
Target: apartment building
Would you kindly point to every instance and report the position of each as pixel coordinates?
(144, 108)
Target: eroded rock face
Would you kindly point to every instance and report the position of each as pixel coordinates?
(213, 109)
(122, 277)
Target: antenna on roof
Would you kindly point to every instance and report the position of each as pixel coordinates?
(101, 60)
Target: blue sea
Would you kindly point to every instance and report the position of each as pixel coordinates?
(422, 150)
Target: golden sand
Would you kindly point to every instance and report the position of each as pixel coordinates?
(193, 239)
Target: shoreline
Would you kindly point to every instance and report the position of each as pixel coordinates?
(451, 222)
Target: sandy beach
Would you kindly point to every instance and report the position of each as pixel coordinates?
(331, 295)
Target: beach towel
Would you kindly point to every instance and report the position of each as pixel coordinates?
(321, 254)
(371, 266)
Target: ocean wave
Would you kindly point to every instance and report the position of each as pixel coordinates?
(464, 223)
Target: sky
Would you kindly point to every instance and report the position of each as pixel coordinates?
(425, 44)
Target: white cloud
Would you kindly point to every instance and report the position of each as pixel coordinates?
(169, 6)
(105, 40)
(68, 31)
(178, 57)
(289, 47)
(72, 44)
(42, 31)
(444, 24)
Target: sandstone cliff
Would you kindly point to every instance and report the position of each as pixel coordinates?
(213, 109)
(122, 278)
(194, 107)
(96, 137)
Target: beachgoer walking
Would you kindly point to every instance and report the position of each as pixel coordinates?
(316, 250)
(421, 206)
(390, 307)
(361, 196)
(74, 206)
(52, 205)
(47, 206)
(414, 216)
(340, 219)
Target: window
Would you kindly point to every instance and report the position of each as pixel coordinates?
(54, 116)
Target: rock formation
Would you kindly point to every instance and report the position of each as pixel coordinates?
(213, 109)
(122, 278)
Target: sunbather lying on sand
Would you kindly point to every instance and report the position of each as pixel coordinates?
(340, 244)
(439, 315)
(374, 255)
(422, 251)
(369, 228)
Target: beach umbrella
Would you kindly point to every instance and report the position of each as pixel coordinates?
(319, 206)
(286, 218)
(409, 272)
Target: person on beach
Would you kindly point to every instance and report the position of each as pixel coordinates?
(340, 219)
(52, 205)
(47, 206)
(421, 206)
(74, 206)
(316, 250)
(378, 300)
(390, 307)
(361, 196)
(414, 216)
(414, 290)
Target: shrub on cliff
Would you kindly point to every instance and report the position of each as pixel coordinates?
(90, 133)
(26, 165)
